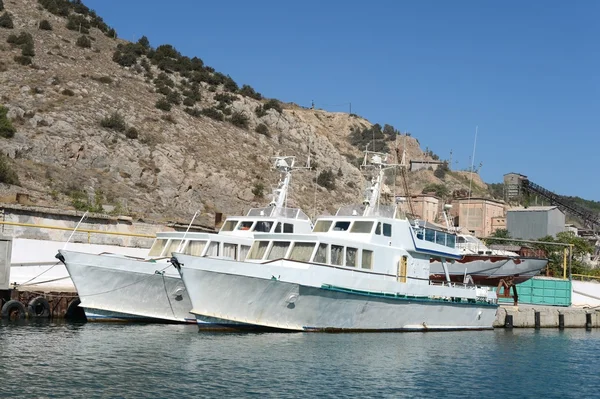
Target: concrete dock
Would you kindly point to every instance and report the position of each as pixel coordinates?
(535, 316)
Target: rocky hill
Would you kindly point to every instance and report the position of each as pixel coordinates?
(104, 124)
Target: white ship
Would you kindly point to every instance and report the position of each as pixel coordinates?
(118, 287)
(364, 269)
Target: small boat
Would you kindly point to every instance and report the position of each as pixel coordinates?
(364, 269)
(119, 287)
(487, 267)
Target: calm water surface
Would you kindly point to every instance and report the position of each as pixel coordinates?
(95, 360)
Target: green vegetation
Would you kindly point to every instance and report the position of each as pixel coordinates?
(376, 137)
(45, 25)
(68, 92)
(248, 91)
(7, 174)
(114, 121)
(7, 130)
(500, 233)
(262, 129)
(103, 79)
(439, 190)
(195, 112)
(260, 111)
(131, 133)
(213, 113)
(81, 202)
(83, 41)
(78, 23)
(1, 5)
(24, 41)
(441, 171)
(326, 179)
(23, 60)
(273, 104)
(6, 21)
(163, 104)
(239, 119)
(496, 190)
(258, 190)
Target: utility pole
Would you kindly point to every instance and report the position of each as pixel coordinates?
(450, 163)
(350, 108)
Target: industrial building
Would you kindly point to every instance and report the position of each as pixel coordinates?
(535, 222)
(475, 215)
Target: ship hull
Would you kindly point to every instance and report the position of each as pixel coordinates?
(226, 291)
(115, 288)
(489, 270)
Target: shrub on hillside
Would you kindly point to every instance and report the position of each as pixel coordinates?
(441, 170)
(131, 133)
(56, 7)
(230, 84)
(174, 98)
(213, 113)
(6, 21)
(68, 92)
(372, 136)
(23, 60)
(45, 25)
(195, 112)
(326, 179)
(78, 23)
(258, 190)
(273, 104)
(124, 59)
(114, 121)
(260, 111)
(248, 91)
(225, 98)
(163, 104)
(1, 5)
(262, 129)
(83, 42)
(239, 119)
(7, 129)
(7, 174)
(162, 79)
(111, 33)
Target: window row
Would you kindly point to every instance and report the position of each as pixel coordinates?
(436, 236)
(303, 252)
(165, 247)
(358, 226)
(259, 226)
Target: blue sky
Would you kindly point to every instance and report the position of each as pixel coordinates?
(526, 73)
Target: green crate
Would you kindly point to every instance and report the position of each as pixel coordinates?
(543, 291)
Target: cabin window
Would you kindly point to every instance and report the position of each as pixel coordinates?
(263, 226)
(367, 259)
(244, 249)
(429, 235)
(451, 240)
(230, 251)
(195, 248)
(278, 250)
(461, 240)
(321, 255)
(322, 226)
(387, 229)
(341, 226)
(213, 249)
(229, 225)
(440, 238)
(172, 247)
(302, 251)
(351, 256)
(378, 229)
(337, 255)
(258, 250)
(245, 225)
(288, 228)
(278, 228)
(361, 227)
(157, 247)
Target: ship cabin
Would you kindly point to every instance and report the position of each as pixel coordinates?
(378, 244)
(235, 236)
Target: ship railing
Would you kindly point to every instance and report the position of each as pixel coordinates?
(452, 284)
(271, 211)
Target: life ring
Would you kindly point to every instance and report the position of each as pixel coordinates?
(13, 310)
(39, 307)
(75, 312)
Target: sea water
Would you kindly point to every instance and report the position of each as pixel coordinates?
(104, 360)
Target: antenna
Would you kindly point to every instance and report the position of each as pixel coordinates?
(471, 178)
(74, 230)
(186, 231)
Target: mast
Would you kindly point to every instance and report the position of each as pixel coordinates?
(284, 165)
(373, 192)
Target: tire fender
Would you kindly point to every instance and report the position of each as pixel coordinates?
(39, 307)
(13, 310)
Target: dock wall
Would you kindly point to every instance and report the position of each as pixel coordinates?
(524, 316)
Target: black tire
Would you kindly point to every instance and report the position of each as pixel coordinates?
(39, 307)
(75, 312)
(13, 310)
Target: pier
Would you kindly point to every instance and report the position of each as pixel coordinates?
(535, 316)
